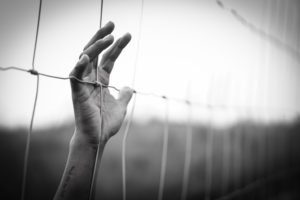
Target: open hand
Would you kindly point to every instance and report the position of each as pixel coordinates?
(87, 97)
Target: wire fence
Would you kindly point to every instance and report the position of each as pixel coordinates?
(189, 126)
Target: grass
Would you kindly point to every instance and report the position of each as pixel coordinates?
(243, 153)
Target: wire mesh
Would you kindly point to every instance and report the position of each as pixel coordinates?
(244, 189)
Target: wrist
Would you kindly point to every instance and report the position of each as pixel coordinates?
(87, 140)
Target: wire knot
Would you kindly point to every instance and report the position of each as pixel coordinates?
(220, 3)
(188, 102)
(98, 84)
(33, 72)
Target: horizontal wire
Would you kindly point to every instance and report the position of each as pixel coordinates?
(179, 100)
(13, 68)
(35, 72)
(271, 38)
(95, 83)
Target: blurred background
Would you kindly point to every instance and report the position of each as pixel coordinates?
(238, 60)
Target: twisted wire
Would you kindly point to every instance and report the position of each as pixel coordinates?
(271, 38)
(208, 106)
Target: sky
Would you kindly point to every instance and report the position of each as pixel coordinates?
(187, 49)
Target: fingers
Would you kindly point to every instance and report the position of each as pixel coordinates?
(113, 53)
(101, 33)
(80, 66)
(125, 96)
(78, 71)
(95, 49)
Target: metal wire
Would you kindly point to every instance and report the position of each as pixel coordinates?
(95, 167)
(188, 154)
(124, 148)
(92, 192)
(179, 100)
(209, 159)
(124, 185)
(234, 12)
(37, 33)
(271, 38)
(259, 183)
(12, 68)
(164, 153)
(100, 26)
(28, 140)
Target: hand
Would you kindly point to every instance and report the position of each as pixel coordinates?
(87, 97)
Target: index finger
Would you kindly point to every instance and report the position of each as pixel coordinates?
(101, 33)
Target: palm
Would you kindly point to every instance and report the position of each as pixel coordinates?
(91, 103)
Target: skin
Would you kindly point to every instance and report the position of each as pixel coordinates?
(76, 180)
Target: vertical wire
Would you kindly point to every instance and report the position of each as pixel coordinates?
(92, 192)
(274, 144)
(28, 140)
(100, 26)
(164, 153)
(101, 14)
(209, 160)
(259, 161)
(256, 158)
(226, 162)
(188, 154)
(253, 145)
(126, 131)
(36, 34)
(280, 139)
(209, 143)
(225, 140)
(138, 43)
(266, 115)
(124, 148)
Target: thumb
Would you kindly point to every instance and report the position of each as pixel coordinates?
(125, 95)
(81, 66)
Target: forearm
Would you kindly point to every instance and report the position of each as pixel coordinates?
(76, 181)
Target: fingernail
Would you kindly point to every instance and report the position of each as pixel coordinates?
(83, 59)
(110, 23)
(109, 37)
(128, 35)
